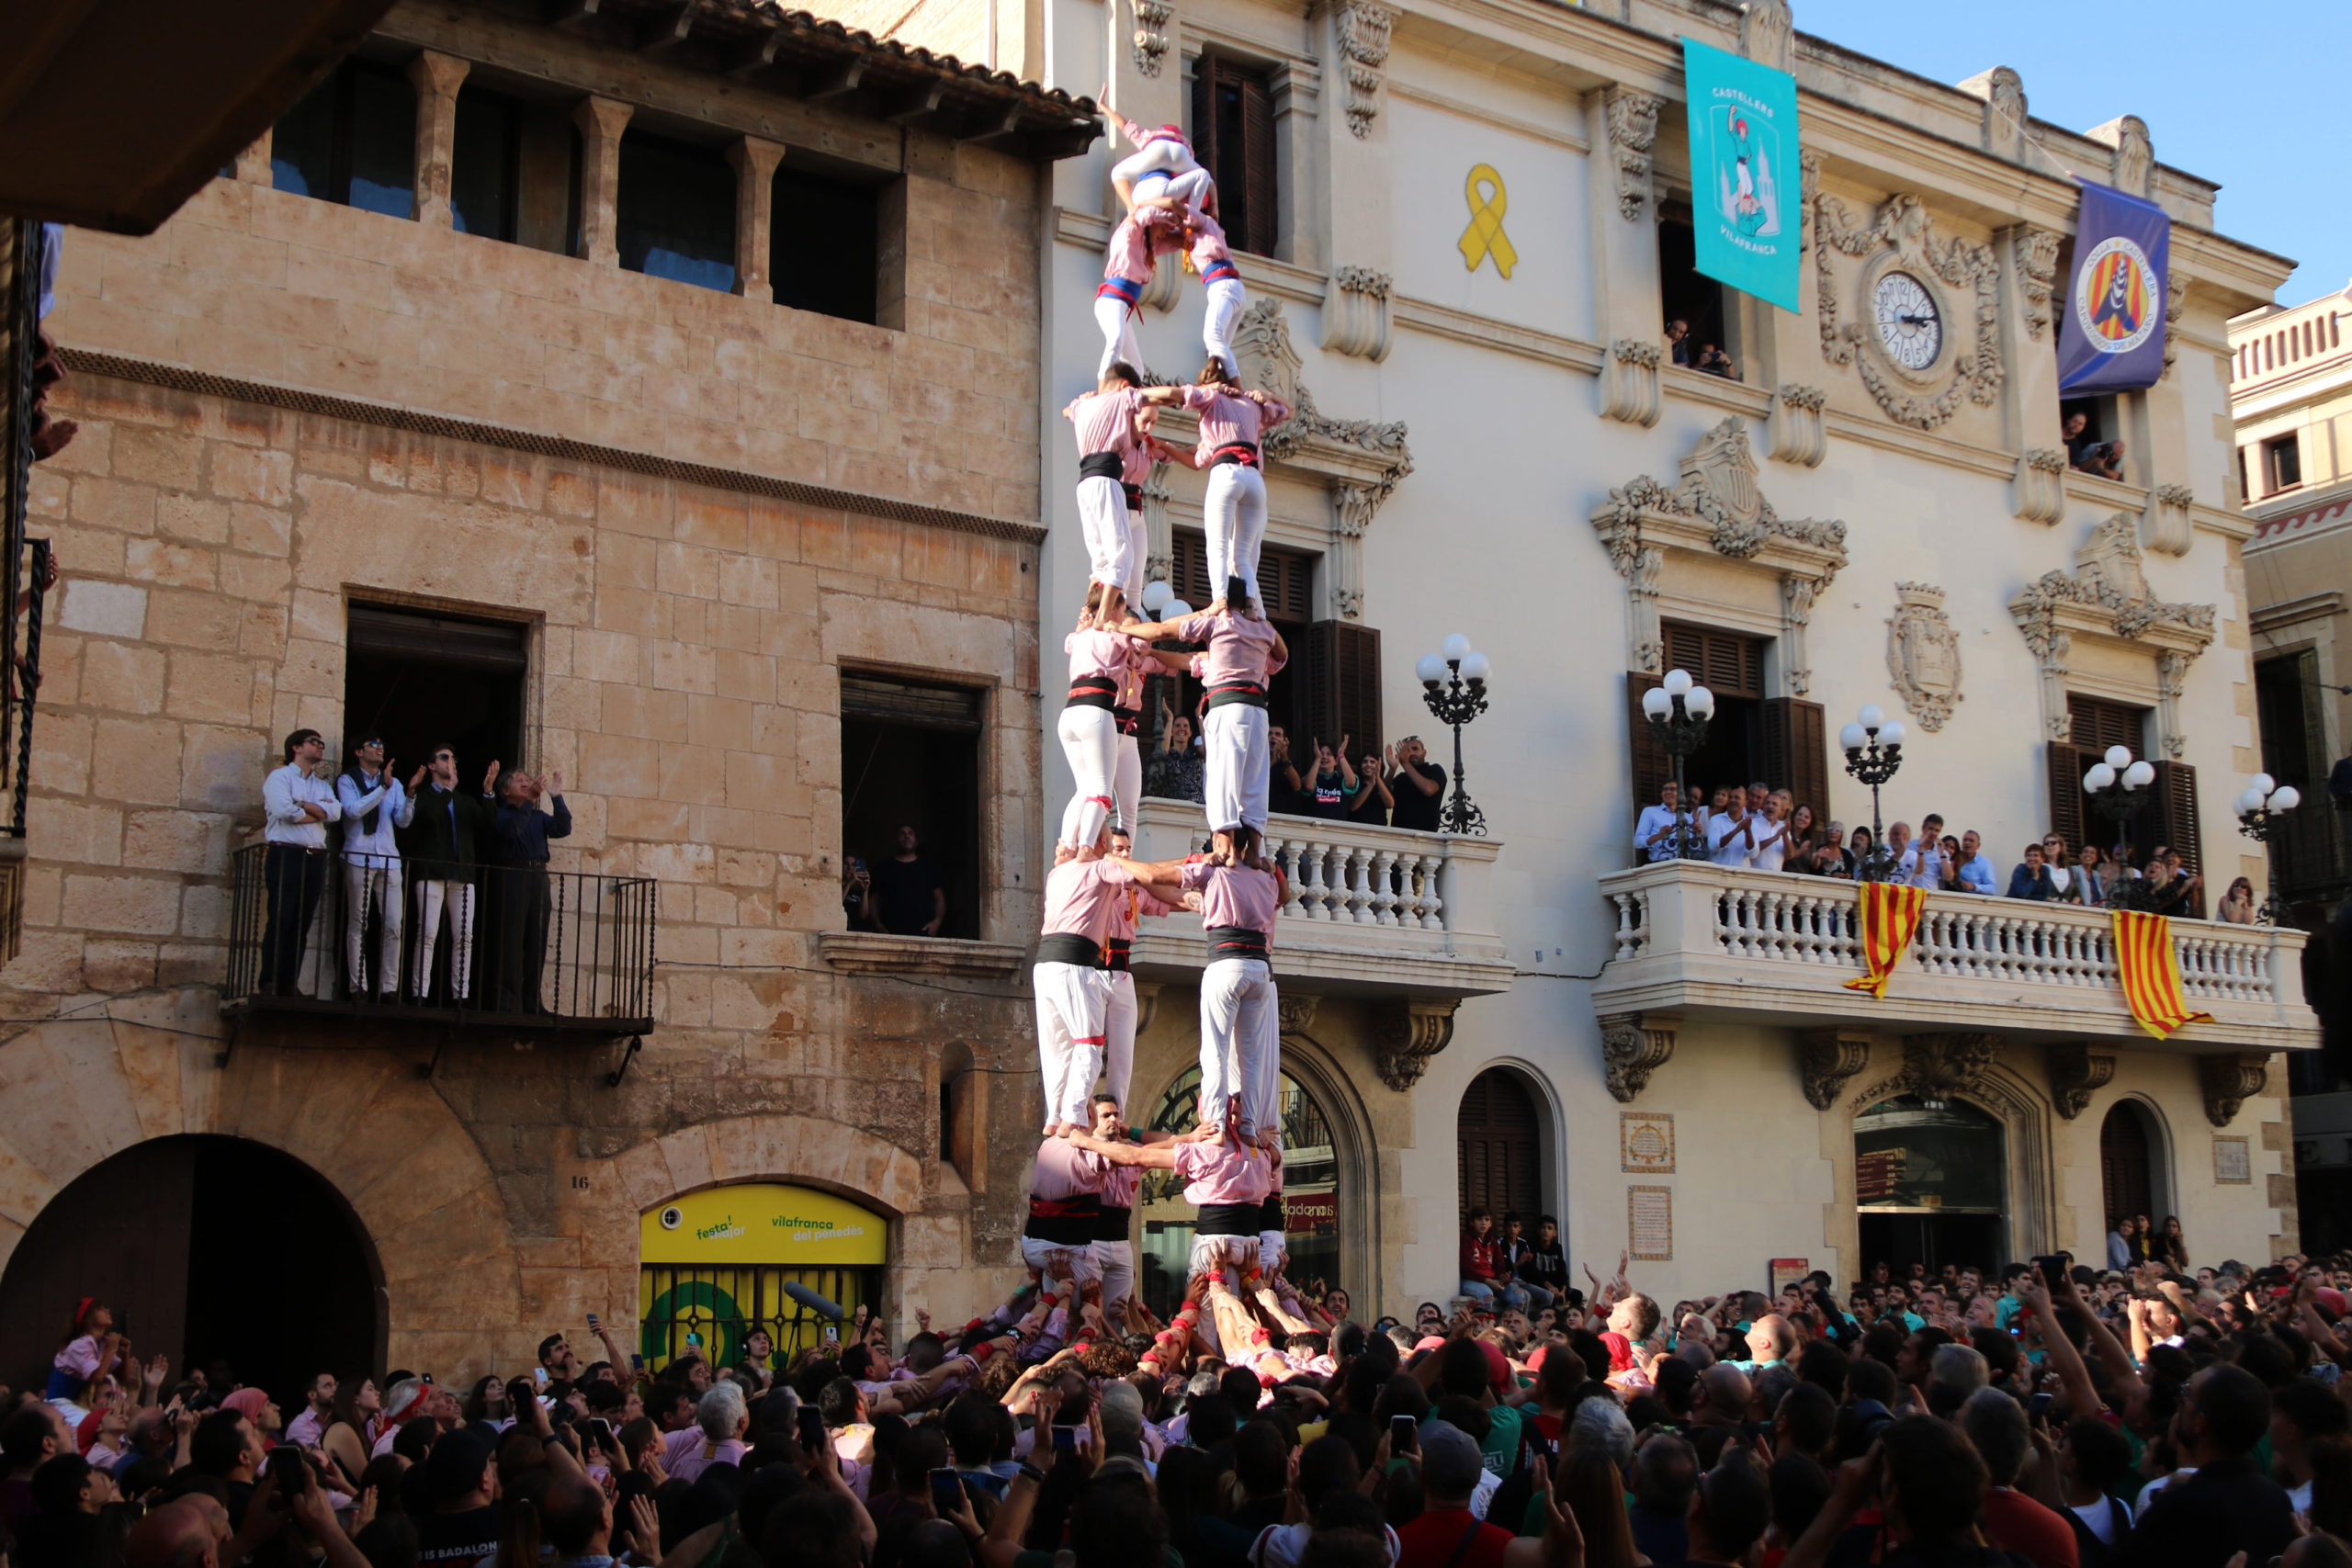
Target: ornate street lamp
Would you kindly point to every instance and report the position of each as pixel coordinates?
(2263, 801)
(2118, 787)
(1679, 711)
(1453, 684)
(1874, 747)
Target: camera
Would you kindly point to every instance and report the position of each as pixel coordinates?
(946, 1492)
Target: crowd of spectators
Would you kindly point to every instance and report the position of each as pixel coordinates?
(2053, 1416)
(1396, 786)
(1760, 828)
(1706, 356)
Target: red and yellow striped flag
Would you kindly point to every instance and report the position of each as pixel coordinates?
(1890, 917)
(2150, 972)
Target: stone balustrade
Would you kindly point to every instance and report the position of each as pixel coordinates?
(1696, 938)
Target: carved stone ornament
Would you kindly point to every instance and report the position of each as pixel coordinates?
(1923, 653)
(2172, 682)
(1633, 131)
(1797, 431)
(1356, 315)
(1166, 286)
(1719, 506)
(1902, 234)
(2038, 493)
(1297, 1011)
(1631, 1050)
(1405, 1034)
(2004, 130)
(2228, 1082)
(2034, 252)
(1830, 1059)
(2165, 526)
(2134, 159)
(1363, 28)
(1768, 33)
(1151, 33)
(2076, 1074)
(2175, 305)
(1629, 382)
(1937, 1066)
(2107, 595)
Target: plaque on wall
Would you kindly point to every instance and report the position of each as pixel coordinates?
(1787, 1271)
(1649, 1224)
(1646, 1142)
(2232, 1163)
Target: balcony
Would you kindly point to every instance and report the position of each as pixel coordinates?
(1370, 911)
(559, 953)
(1699, 940)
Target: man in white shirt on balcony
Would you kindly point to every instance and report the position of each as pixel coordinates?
(296, 805)
(373, 804)
(1922, 864)
(1731, 837)
(1977, 872)
(1654, 833)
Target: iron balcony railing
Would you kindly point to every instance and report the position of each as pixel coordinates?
(507, 946)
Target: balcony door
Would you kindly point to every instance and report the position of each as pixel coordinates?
(1781, 741)
(2126, 1163)
(1928, 1183)
(1498, 1148)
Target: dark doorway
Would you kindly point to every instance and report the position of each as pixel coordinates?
(910, 754)
(1933, 1240)
(1928, 1181)
(2127, 1180)
(216, 1251)
(1684, 292)
(1731, 665)
(1498, 1148)
(415, 680)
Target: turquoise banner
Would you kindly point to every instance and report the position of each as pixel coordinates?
(1743, 180)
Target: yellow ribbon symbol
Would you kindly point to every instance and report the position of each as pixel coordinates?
(1484, 237)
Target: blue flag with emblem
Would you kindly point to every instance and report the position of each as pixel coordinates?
(2112, 334)
(1743, 181)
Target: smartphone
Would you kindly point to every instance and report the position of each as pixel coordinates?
(1404, 1435)
(832, 1334)
(1064, 1439)
(293, 1472)
(593, 1324)
(2038, 1408)
(946, 1492)
(812, 1428)
(2054, 1265)
(693, 1339)
(600, 1432)
(541, 1373)
(636, 1362)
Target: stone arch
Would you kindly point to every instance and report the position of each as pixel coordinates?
(2163, 1172)
(2030, 1180)
(768, 1147)
(1553, 1128)
(83, 1089)
(1319, 1073)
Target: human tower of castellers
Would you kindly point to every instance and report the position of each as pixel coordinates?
(1091, 1163)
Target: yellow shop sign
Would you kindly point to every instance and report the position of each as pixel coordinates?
(762, 1222)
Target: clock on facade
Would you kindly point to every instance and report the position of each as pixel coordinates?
(1908, 324)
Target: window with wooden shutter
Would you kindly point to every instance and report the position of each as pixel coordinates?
(1338, 692)
(1726, 663)
(1653, 766)
(1796, 754)
(1233, 135)
(1285, 578)
(2170, 817)
(2069, 809)
(2098, 724)
(1498, 1147)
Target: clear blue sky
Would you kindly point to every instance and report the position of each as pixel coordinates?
(2246, 94)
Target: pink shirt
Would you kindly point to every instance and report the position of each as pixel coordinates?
(1240, 650)
(1232, 422)
(1135, 902)
(1114, 421)
(1120, 1187)
(1220, 1172)
(688, 1453)
(1235, 896)
(80, 1357)
(1079, 899)
(1208, 241)
(1065, 1170)
(1099, 653)
(1133, 243)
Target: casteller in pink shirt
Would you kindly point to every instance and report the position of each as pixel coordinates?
(1080, 897)
(1114, 421)
(1220, 1172)
(1230, 421)
(1238, 896)
(1240, 650)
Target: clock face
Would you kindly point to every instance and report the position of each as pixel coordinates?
(1908, 322)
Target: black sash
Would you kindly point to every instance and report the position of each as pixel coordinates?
(1271, 1220)
(1065, 1222)
(1130, 720)
(1228, 1219)
(1069, 947)
(1119, 950)
(1094, 692)
(1242, 452)
(1244, 691)
(1236, 941)
(1102, 466)
(1133, 494)
(1112, 1225)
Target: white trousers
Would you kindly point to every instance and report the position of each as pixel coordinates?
(1227, 296)
(1234, 514)
(1240, 1042)
(1126, 782)
(373, 892)
(1115, 1261)
(1090, 737)
(1046, 1257)
(431, 896)
(1233, 741)
(1072, 1003)
(1165, 168)
(1118, 320)
(1233, 1257)
(1137, 548)
(1110, 553)
(1119, 1038)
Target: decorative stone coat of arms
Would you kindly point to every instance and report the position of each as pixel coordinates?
(1923, 653)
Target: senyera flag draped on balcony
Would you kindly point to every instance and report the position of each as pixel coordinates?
(1890, 918)
(2148, 968)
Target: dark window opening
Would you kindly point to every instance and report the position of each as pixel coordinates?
(2103, 423)
(1688, 294)
(352, 141)
(2282, 464)
(1731, 666)
(910, 757)
(486, 164)
(824, 244)
(417, 680)
(1233, 135)
(2124, 1168)
(1498, 1149)
(2098, 724)
(675, 215)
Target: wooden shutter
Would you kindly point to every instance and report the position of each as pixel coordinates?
(1498, 1149)
(2099, 725)
(2123, 1163)
(1205, 138)
(2067, 806)
(1285, 578)
(1260, 200)
(1726, 663)
(1796, 754)
(1339, 683)
(2170, 817)
(1651, 766)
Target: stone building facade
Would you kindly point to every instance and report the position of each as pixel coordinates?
(698, 510)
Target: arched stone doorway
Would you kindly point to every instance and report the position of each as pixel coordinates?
(1498, 1147)
(1928, 1184)
(220, 1252)
(2132, 1172)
